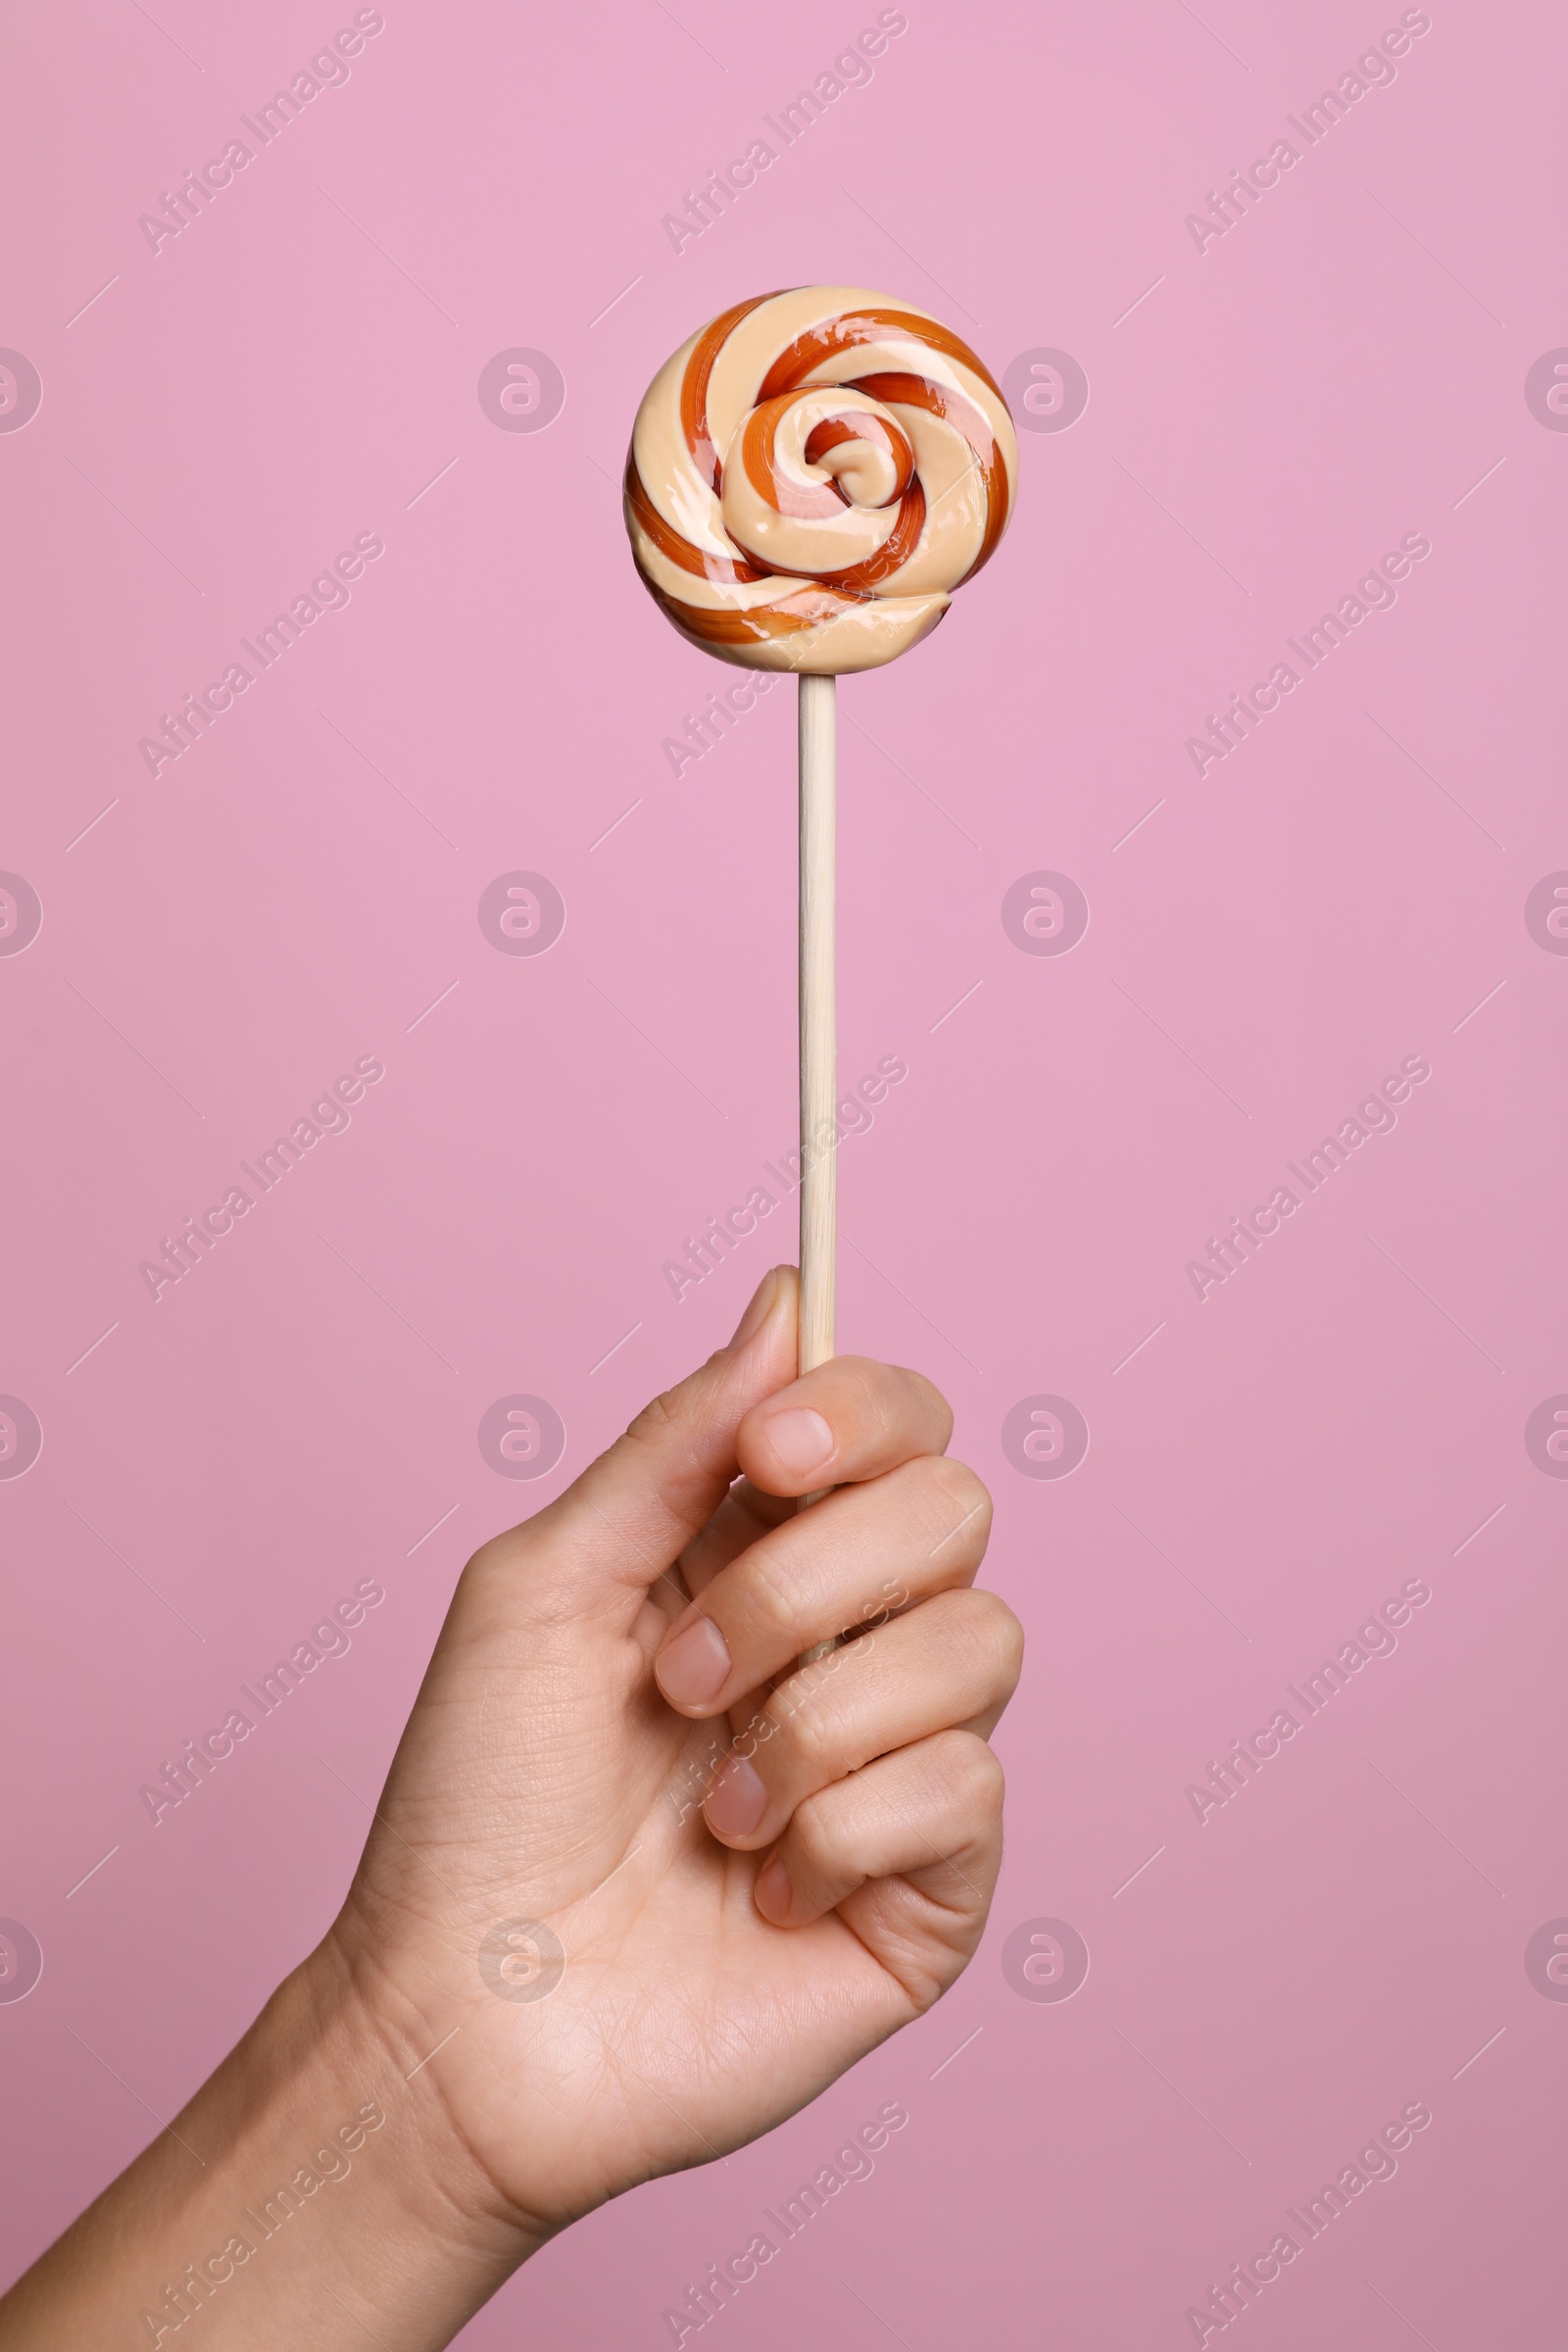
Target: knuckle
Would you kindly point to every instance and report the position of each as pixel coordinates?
(646, 1445)
(810, 1744)
(864, 1385)
(817, 1833)
(888, 1403)
(1008, 1635)
(983, 1638)
(805, 1726)
(930, 1398)
(662, 1415)
(959, 1501)
(972, 1774)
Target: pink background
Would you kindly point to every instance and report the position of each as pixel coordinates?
(297, 367)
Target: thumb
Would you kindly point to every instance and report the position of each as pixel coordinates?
(621, 1524)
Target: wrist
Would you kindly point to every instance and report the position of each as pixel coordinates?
(432, 2230)
(312, 2191)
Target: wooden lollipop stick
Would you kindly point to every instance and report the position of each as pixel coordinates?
(818, 1040)
(818, 1022)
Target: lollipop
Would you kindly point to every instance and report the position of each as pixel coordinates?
(811, 476)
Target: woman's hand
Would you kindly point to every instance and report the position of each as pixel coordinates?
(733, 1876)
(639, 1887)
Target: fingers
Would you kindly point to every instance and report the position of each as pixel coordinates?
(850, 1561)
(952, 1662)
(621, 1523)
(849, 1419)
(852, 1419)
(908, 1849)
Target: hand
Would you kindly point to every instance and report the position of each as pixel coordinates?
(754, 1874)
(639, 1887)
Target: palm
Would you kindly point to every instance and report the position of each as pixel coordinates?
(683, 2024)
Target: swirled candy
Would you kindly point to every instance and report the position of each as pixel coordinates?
(812, 475)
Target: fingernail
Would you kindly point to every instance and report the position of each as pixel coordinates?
(737, 1799)
(757, 1312)
(774, 1892)
(800, 1439)
(695, 1665)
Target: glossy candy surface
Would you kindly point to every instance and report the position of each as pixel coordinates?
(811, 475)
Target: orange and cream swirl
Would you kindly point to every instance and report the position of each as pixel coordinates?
(812, 475)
